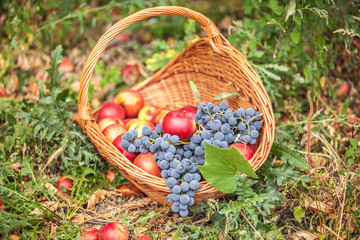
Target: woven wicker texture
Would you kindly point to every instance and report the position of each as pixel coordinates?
(212, 63)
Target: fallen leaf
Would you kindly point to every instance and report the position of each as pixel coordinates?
(14, 237)
(79, 218)
(319, 206)
(95, 198)
(16, 167)
(317, 161)
(303, 235)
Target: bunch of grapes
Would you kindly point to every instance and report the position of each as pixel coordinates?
(180, 161)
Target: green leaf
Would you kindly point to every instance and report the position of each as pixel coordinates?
(295, 36)
(222, 167)
(299, 213)
(290, 9)
(224, 95)
(353, 142)
(54, 72)
(349, 152)
(195, 90)
(287, 155)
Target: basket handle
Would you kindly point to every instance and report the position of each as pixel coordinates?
(207, 25)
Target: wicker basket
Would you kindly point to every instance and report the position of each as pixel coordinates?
(212, 63)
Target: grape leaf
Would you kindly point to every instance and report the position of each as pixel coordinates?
(224, 95)
(195, 90)
(287, 155)
(222, 167)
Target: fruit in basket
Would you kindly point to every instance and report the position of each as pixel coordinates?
(189, 110)
(105, 122)
(110, 176)
(131, 100)
(139, 125)
(179, 161)
(64, 185)
(111, 132)
(180, 124)
(110, 110)
(159, 116)
(90, 233)
(245, 150)
(146, 162)
(147, 112)
(126, 120)
(128, 155)
(130, 190)
(113, 231)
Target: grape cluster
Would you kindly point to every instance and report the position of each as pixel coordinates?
(227, 126)
(178, 164)
(180, 161)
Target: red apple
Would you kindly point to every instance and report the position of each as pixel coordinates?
(129, 70)
(190, 110)
(66, 65)
(90, 233)
(113, 231)
(144, 238)
(126, 120)
(147, 112)
(343, 90)
(146, 162)
(130, 122)
(131, 100)
(1, 203)
(159, 116)
(66, 183)
(110, 176)
(128, 155)
(111, 132)
(241, 147)
(139, 125)
(110, 110)
(180, 124)
(105, 122)
(3, 92)
(130, 190)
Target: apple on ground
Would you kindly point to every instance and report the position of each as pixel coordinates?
(113, 131)
(147, 112)
(110, 110)
(3, 92)
(128, 155)
(131, 100)
(110, 176)
(180, 124)
(130, 190)
(159, 116)
(343, 90)
(66, 65)
(243, 148)
(105, 122)
(189, 110)
(113, 231)
(139, 125)
(146, 162)
(143, 238)
(90, 233)
(66, 183)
